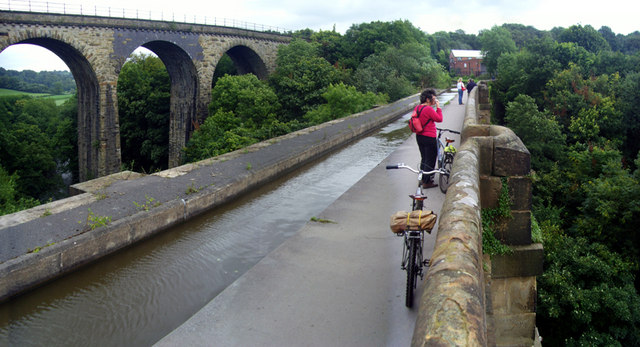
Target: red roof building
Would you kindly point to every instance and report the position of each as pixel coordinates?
(466, 62)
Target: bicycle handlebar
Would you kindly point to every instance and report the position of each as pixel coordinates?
(449, 130)
(402, 166)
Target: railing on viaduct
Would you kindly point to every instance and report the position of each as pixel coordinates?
(114, 12)
(471, 299)
(96, 48)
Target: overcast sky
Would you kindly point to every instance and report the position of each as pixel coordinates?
(428, 15)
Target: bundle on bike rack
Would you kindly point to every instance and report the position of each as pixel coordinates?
(414, 220)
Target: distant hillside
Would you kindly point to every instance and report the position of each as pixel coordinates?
(50, 82)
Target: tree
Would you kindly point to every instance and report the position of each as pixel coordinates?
(631, 43)
(330, 46)
(586, 37)
(27, 147)
(529, 70)
(52, 82)
(301, 78)
(586, 295)
(610, 37)
(539, 131)
(495, 42)
(586, 106)
(66, 139)
(610, 211)
(343, 100)
(521, 34)
(243, 111)
(10, 202)
(248, 98)
(629, 105)
(225, 66)
(143, 107)
(363, 40)
(399, 72)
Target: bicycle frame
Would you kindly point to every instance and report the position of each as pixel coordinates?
(408, 235)
(412, 257)
(442, 148)
(445, 157)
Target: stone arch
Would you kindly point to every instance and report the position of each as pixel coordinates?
(247, 60)
(184, 94)
(248, 55)
(88, 89)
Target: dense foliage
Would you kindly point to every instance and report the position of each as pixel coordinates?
(571, 96)
(319, 77)
(143, 107)
(38, 144)
(51, 82)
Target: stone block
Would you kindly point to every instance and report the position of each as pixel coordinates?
(483, 94)
(510, 156)
(525, 261)
(510, 162)
(513, 295)
(484, 116)
(515, 230)
(490, 187)
(520, 192)
(515, 329)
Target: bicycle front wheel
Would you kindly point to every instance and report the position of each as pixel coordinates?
(412, 271)
(444, 177)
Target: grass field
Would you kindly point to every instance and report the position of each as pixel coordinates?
(59, 99)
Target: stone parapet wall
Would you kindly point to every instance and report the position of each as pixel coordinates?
(452, 307)
(471, 299)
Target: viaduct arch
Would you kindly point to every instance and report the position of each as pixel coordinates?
(95, 48)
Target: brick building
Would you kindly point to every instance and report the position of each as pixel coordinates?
(466, 62)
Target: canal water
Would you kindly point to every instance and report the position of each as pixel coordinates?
(138, 295)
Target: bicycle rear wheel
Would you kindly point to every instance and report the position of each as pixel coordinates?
(412, 271)
(444, 178)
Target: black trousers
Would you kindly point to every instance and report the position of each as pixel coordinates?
(429, 152)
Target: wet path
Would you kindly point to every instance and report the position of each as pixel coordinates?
(329, 284)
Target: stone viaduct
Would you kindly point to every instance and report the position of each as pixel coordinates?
(95, 48)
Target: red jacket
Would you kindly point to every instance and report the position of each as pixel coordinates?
(425, 113)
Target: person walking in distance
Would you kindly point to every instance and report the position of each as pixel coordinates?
(470, 85)
(461, 90)
(427, 142)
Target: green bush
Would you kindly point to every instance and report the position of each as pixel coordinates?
(343, 100)
(586, 295)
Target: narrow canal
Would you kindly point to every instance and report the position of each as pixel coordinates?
(140, 294)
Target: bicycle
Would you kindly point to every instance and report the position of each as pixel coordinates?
(412, 257)
(445, 158)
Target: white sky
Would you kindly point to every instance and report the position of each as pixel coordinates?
(429, 15)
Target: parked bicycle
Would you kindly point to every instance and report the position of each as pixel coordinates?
(412, 226)
(445, 158)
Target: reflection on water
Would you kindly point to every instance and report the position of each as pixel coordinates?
(140, 294)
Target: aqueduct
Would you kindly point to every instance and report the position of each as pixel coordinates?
(95, 48)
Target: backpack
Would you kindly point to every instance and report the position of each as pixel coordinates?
(414, 123)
